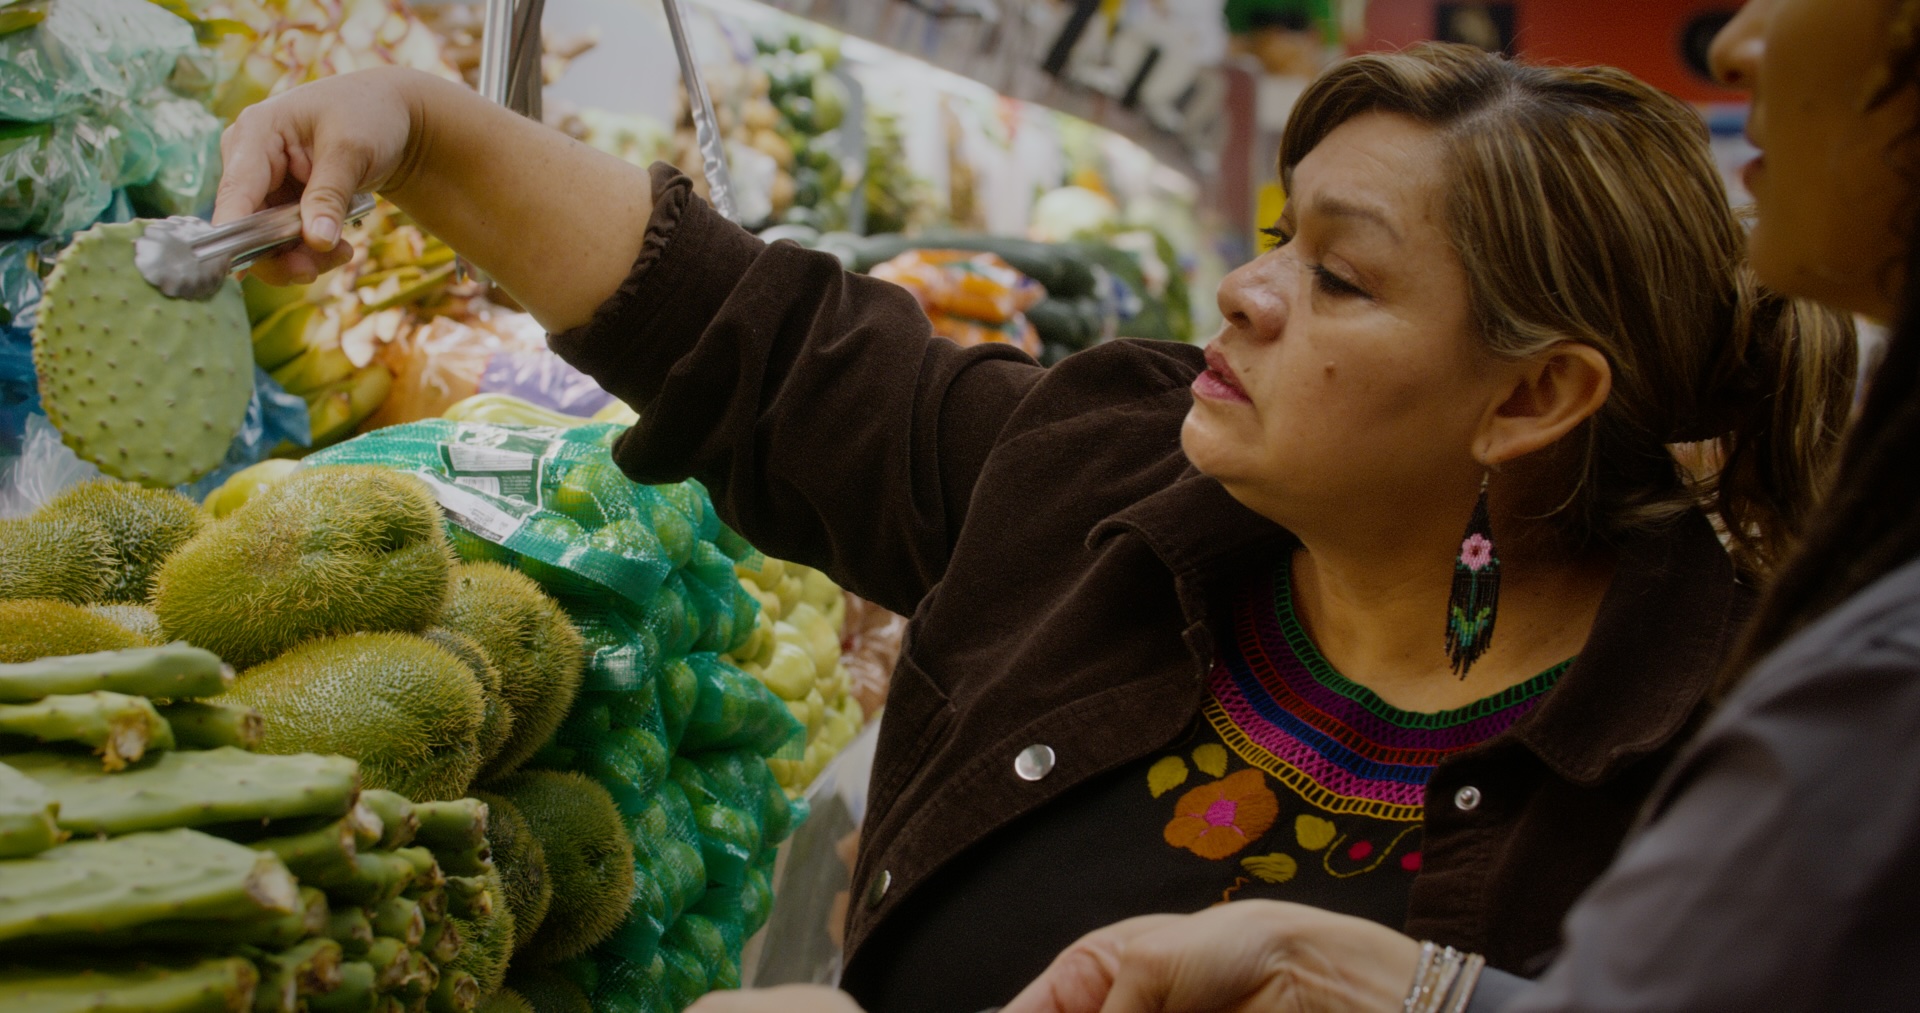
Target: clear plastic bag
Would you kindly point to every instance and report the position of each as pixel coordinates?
(57, 177)
(19, 391)
(186, 141)
(544, 379)
(91, 53)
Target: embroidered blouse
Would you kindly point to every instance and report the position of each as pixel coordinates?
(1295, 784)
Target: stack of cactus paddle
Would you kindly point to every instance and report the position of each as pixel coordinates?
(150, 861)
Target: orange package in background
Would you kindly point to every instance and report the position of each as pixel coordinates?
(869, 649)
(972, 298)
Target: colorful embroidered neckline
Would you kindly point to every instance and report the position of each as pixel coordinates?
(1279, 704)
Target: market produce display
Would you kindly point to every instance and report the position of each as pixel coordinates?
(149, 860)
(795, 649)
(638, 814)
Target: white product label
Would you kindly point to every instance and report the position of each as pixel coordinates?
(473, 511)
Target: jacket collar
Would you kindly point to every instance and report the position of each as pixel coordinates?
(1194, 526)
(1661, 635)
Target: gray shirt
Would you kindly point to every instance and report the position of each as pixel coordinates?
(1778, 866)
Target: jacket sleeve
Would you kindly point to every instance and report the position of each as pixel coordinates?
(1779, 863)
(831, 427)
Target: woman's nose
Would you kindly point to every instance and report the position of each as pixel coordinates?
(1735, 56)
(1253, 297)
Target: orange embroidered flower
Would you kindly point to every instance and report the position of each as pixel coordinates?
(1215, 820)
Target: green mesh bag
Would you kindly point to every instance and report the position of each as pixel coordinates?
(730, 836)
(679, 692)
(550, 502)
(733, 710)
(628, 986)
(686, 980)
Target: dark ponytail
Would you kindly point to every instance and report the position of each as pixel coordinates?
(1785, 385)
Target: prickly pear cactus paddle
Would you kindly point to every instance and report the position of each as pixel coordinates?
(149, 388)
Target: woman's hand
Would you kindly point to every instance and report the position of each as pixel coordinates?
(786, 999)
(320, 143)
(552, 221)
(1253, 956)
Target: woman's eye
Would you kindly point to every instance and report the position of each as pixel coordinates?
(1277, 236)
(1333, 284)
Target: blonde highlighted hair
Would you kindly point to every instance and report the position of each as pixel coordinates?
(1585, 206)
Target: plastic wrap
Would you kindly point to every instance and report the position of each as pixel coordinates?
(19, 391)
(57, 177)
(20, 284)
(91, 54)
(45, 465)
(545, 379)
(187, 142)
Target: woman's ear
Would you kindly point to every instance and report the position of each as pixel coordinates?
(1551, 394)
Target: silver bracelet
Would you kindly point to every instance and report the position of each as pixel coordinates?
(1443, 981)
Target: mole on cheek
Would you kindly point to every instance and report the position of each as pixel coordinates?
(1327, 372)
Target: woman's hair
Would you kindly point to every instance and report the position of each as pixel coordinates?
(1586, 206)
(1870, 526)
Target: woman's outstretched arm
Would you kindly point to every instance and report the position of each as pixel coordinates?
(554, 222)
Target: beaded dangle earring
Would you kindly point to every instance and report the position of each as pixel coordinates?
(1475, 601)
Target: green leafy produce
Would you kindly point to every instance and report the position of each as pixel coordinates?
(329, 551)
(486, 943)
(208, 724)
(398, 823)
(589, 860)
(34, 628)
(316, 854)
(406, 709)
(190, 789)
(521, 864)
(92, 985)
(144, 526)
(174, 671)
(171, 875)
(308, 968)
(536, 649)
(27, 824)
(354, 994)
(52, 558)
(149, 388)
(456, 833)
(121, 728)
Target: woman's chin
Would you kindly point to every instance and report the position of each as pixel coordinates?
(1209, 445)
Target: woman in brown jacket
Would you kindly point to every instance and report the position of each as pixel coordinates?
(1192, 627)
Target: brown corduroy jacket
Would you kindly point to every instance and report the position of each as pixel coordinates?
(1062, 561)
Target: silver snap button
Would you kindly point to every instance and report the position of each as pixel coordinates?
(1467, 799)
(877, 887)
(1033, 763)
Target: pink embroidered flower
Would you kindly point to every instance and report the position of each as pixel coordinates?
(1476, 552)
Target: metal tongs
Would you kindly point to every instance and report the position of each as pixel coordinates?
(706, 129)
(187, 258)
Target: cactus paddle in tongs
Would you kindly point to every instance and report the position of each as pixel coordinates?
(186, 258)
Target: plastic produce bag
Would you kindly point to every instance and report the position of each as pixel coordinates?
(20, 284)
(46, 465)
(19, 391)
(187, 145)
(57, 177)
(92, 53)
(544, 379)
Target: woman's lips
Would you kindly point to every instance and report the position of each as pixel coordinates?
(1219, 382)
